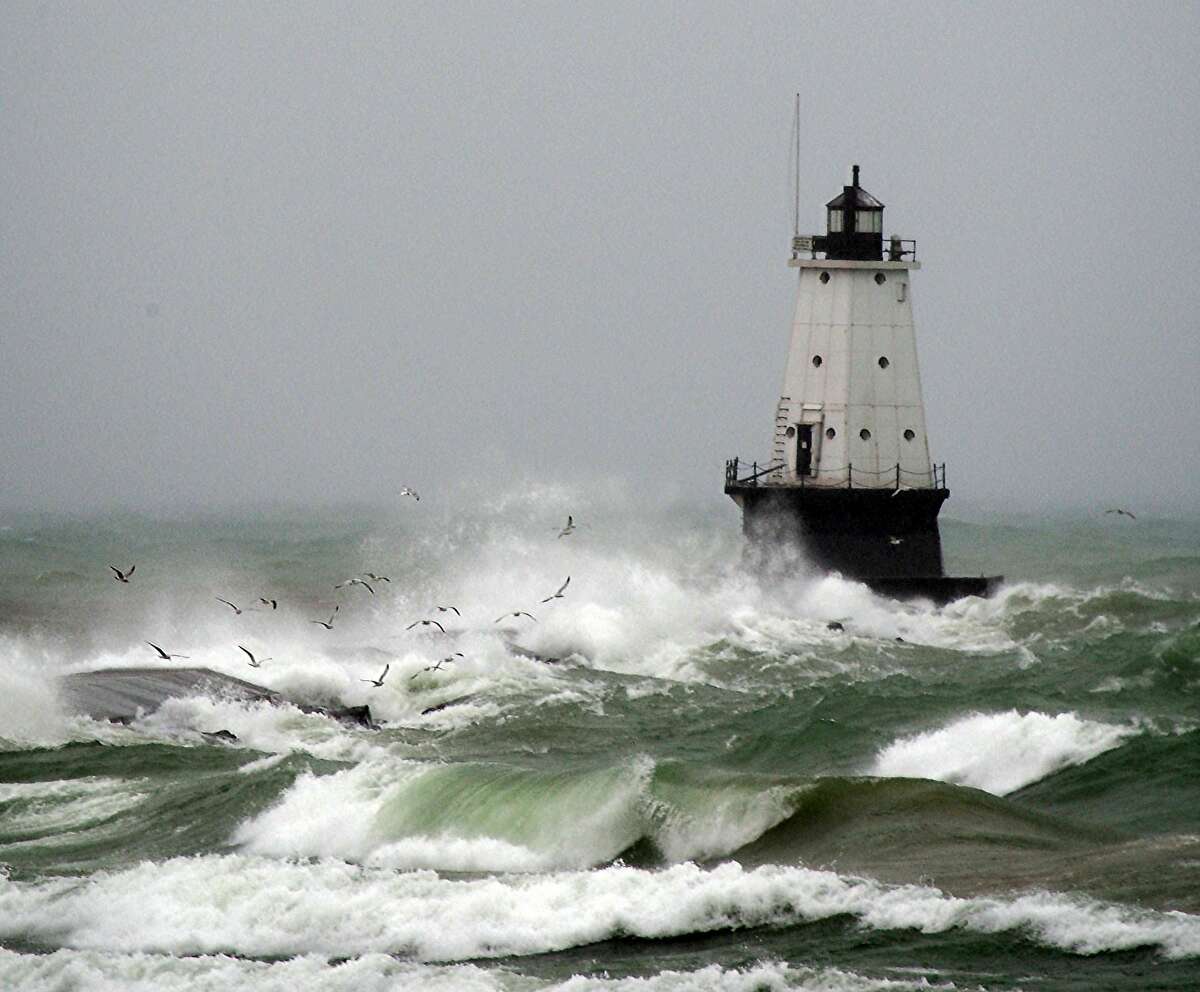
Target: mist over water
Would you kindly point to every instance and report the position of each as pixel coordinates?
(676, 750)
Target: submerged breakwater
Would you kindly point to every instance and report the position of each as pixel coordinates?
(673, 777)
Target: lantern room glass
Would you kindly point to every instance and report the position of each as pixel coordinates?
(868, 221)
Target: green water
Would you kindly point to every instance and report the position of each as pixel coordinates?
(707, 789)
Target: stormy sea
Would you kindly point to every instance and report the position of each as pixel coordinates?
(674, 776)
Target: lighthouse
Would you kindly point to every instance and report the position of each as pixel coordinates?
(850, 480)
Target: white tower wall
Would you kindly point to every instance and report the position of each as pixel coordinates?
(850, 314)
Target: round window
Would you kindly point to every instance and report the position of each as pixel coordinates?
(817, 361)
(790, 432)
(824, 277)
(830, 433)
(880, 278)
(909, 435)
(865, 434)
(883, 362)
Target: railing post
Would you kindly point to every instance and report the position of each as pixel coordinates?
(849, 475)
(754, 471)
(897, 475)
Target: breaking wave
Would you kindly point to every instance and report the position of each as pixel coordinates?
(268, 908)
(999, 752)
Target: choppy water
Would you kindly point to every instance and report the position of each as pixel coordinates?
(711, 791)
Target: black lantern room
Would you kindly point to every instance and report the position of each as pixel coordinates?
(854, 225)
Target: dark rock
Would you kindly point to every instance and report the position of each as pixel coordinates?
(446, 705)
(120, 695)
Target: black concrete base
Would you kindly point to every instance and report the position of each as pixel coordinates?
(941, 589)
(884, 537)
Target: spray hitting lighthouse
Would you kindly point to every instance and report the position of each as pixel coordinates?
(850, 479)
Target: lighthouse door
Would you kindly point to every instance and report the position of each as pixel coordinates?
(804, 449)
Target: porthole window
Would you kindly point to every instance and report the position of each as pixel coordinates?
(880, 278)
(824, 277)
(830, 433)
(817, 361)
(865, 434)
(790, 432)
(909, 435)
(883, 362)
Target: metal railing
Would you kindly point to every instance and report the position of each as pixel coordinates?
(894, 249)
(847, 477)
(898, 249)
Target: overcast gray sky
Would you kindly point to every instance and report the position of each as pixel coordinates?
(317, 251)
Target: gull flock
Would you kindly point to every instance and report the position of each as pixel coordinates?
(368, 581)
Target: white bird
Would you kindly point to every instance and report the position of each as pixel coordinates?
(122, 576)
(237, 610)
(893, 541)
(375, 578)
(410, 492)
(448, 609)
(559, 594)
(438, 666)
(426, 623)
(378, 683)
(328, 624)
(254, 662)
(1120, 513)
(163, 654)
(569, 529)
(355, 582)
(516, 613)
(274, 604)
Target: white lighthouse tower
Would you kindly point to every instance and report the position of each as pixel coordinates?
(850, 477)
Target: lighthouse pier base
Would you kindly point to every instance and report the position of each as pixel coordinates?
(885, 538)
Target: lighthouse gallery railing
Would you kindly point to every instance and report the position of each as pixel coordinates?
(847, 477)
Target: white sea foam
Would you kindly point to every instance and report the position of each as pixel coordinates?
(263, 908)
(104, 972)
(98, 972)
(31, 714)
(999, 752)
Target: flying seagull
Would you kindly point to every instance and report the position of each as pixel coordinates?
(516, 613)
(448, 609)
(438, 666)
(375, 578)
(410, 492)
(328, 624)
(274, 604)
(122, 576)
(1120, 513)
(559, 594)
(355, 582)
(426, 623)
(893, 541)
(254, 662)
(163, 654)
(569, 529)
(235, 609)
(378, 683)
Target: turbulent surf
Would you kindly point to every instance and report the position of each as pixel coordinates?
(675, 776)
